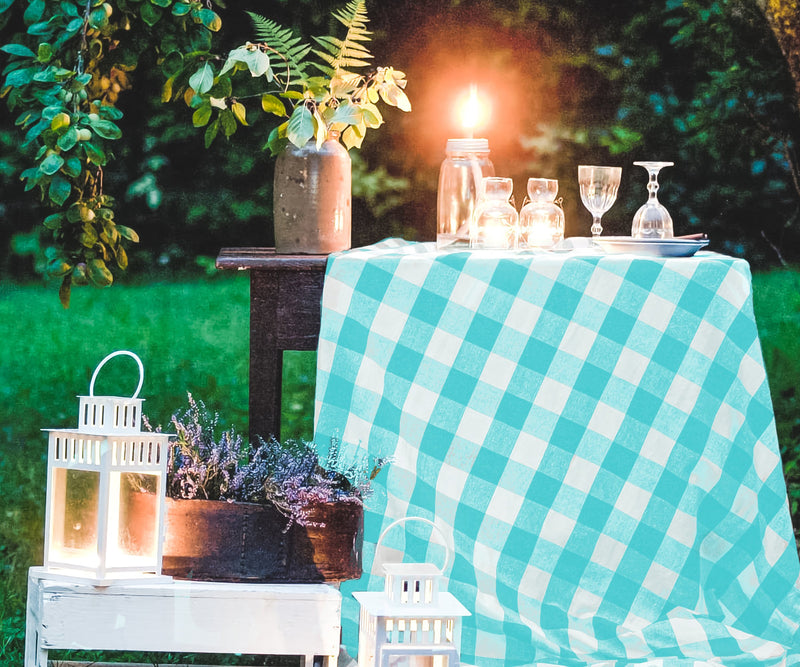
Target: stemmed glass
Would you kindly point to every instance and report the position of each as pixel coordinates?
(598, 187)
(652, 220)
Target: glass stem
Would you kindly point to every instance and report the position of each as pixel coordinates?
(652, 187)
(597, 228)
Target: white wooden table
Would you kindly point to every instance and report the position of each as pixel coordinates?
(182, 616)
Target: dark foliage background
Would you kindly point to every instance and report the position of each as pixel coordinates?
(582, 81)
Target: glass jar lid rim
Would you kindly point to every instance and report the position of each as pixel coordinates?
(468, 145)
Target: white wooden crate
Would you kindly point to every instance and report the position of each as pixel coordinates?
(182, 616)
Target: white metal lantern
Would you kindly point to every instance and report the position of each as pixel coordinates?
(106, 491)
(411, 622)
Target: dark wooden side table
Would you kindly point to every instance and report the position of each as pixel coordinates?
(285, 303)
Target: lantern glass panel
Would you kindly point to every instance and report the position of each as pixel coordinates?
(133, 528)
(74, 529)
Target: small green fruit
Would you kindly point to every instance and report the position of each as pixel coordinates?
(60, 120)
(87, 214)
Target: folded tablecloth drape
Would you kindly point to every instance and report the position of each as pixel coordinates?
(595, 432)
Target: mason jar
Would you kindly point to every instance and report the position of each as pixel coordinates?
(465, 165)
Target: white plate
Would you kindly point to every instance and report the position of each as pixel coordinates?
(650, 247)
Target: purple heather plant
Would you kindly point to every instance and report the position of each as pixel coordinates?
(205, 464)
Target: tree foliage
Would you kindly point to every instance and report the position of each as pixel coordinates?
(63, 79)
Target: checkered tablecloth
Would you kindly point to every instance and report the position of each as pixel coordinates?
(596, 434)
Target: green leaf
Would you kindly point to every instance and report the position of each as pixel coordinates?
(72, 167)
(277, 139)
(65, 290)
(254, 58)
(5, 5)
(73, 26)
(68, 8)
(202, 115)
(239, 112)
(349, 114)
(98, 272)
(122, 258)
(89, 236)
(51, 164)
(203, 79)
(58, 267)
(222, 88)
(52, 111)
(20, 77)
(271, 104)
(68, 140)
(209, 19)
(94, 154)
(211, 133)
(98, 18)
(228, 122)
(301, 126)
(53, 221)
(41, 28)
(35, 131)
(181, 8)
(372, 115)
(150, 13)
(106, 129)
(172, 63)
(34, 12)
(59, 190)
(128, 233)
(18, 50)
(162, 3)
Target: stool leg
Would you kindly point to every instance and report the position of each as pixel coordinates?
(35, 655)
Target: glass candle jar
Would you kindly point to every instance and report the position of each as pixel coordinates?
(466, 163)
(495, 223)
(541, 220)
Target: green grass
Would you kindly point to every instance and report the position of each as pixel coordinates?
(193, 336)
(776, 297)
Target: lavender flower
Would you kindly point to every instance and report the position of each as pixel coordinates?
(205, 464)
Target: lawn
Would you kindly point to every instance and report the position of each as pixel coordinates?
(192, 336)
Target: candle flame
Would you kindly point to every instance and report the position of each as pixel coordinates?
(473, 111)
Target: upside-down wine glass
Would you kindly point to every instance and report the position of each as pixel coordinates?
(598, 187)
(652, 220)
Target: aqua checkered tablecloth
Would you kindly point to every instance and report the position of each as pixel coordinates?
(596, 434)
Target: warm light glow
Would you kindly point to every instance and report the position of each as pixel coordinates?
(473, 111)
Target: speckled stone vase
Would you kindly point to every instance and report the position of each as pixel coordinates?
(311, 198)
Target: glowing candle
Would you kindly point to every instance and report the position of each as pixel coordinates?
(473, 111)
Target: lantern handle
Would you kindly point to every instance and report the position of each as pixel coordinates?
(111, 356)
(450, 549)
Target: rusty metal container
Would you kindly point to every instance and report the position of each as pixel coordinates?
(213, 540)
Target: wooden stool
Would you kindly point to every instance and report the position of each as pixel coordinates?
(183, 616)
(285, 305)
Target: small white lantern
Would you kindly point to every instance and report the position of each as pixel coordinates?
(411, 623)
(104, 517)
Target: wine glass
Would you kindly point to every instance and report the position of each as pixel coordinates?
(652, 220)
(598, 187)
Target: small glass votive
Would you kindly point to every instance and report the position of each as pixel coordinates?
(541, 220)
(495, 223)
